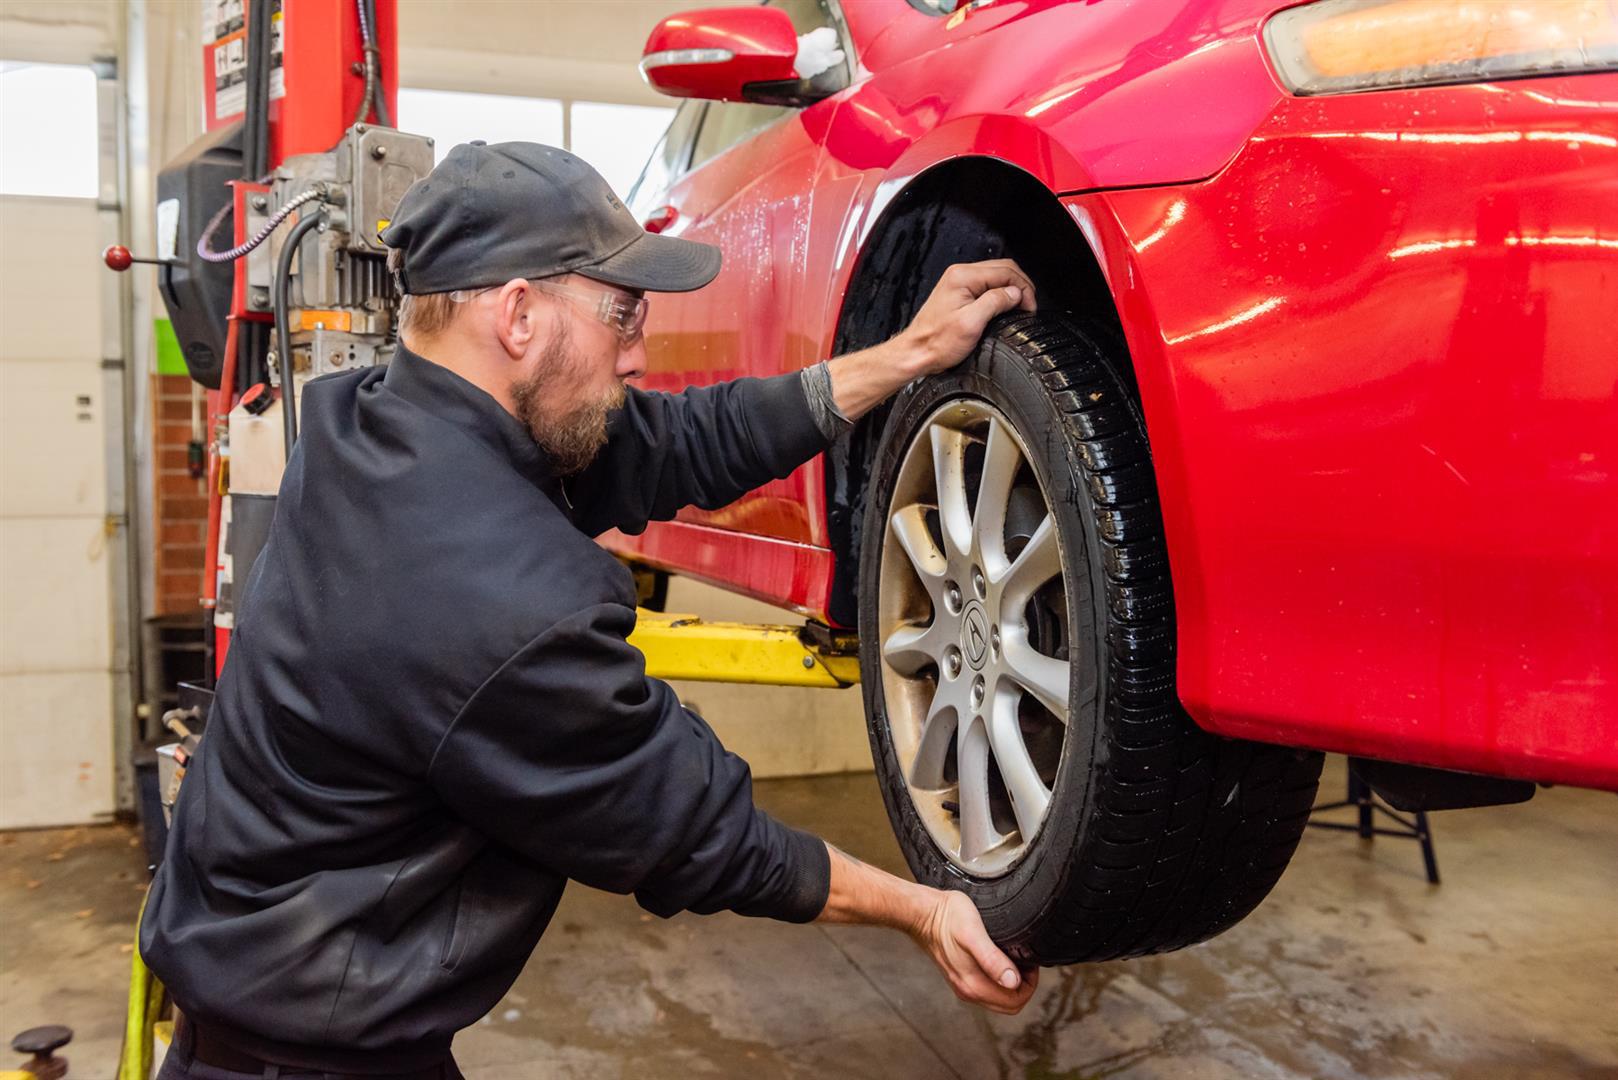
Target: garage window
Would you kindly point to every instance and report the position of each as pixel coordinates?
(617, 139)
(48, 132)
(452, 117)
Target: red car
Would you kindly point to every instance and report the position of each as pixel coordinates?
(1312, 445)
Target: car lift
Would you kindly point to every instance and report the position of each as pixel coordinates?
(689, 647)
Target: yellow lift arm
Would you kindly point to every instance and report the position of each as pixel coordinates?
(691, 647)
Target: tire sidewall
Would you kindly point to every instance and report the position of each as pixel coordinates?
(1015, 903)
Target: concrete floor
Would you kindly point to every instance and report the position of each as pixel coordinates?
(1355, 967)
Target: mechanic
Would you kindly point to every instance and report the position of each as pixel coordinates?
(430, 719)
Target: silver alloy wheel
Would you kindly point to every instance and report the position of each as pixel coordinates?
(977, 711)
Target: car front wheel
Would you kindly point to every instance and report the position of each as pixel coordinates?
(1017, 655)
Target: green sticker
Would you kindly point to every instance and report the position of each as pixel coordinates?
(170, 360)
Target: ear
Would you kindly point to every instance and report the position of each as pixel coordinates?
(516, 317)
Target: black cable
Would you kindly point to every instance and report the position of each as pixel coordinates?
(383, 116)
(368, 47)
(256, 118)
(283, 338)
(252, 345)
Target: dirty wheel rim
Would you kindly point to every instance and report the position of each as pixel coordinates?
(974, 637)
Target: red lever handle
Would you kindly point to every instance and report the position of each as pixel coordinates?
(661, 219)
(118, 258)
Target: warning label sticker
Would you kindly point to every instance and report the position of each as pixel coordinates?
(224, 36)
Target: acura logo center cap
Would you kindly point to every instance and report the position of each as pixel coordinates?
(975, 635)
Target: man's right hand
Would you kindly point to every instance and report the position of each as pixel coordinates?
(954, 936)
(945, 924)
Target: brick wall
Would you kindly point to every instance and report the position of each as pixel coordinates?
(181, 510)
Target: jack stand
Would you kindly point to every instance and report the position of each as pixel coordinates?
(1369, 805)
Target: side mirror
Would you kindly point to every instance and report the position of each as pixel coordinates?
(727, 54)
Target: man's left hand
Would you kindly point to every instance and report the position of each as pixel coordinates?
(946, 329)
(951, 322)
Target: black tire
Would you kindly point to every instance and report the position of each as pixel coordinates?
(1158, 835)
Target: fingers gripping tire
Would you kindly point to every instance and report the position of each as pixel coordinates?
(1017, 657)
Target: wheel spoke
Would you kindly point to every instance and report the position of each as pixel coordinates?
(1001, 460)
(1046, 677)
(1038, 562)
(949, 478)
(932, 749)
(909, 526)
(1029, 795)
(978, 834)
(911, 648)
(959, 618)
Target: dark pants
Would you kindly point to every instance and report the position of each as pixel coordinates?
(181, 1065)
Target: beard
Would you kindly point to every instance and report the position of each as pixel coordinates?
(570, 435)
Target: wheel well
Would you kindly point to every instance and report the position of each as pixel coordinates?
(963, 210)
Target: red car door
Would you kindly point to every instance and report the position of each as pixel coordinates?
(744, 183)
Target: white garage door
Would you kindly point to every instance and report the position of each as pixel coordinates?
(56, 724)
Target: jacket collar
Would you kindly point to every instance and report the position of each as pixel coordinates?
(439, 391)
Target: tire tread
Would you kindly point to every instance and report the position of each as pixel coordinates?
(1188, 831)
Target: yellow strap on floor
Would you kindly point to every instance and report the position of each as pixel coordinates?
(140, 1018)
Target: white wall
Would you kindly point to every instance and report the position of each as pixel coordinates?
(56, 629)
(56, 722)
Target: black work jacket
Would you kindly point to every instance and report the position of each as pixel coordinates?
(430, 719)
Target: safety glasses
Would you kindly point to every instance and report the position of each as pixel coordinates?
(625, 315)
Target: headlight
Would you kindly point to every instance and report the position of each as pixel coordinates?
(1343, 46)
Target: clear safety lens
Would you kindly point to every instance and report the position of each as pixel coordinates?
(625, 314)
(1347, 46)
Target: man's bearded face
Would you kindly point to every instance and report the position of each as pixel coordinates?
(563, 406)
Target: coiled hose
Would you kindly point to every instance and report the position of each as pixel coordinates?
(207, 253)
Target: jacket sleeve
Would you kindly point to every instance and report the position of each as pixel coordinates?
(572, 756)
(707, 446)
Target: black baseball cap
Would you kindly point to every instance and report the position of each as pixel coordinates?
(487, 214)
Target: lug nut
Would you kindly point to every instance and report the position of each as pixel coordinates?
(952, 597)
(979, 585)
(977, 691)
(952, 662)
(994, 641)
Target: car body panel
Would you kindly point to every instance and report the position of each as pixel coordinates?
(1378, 356)
(792, 206)
(1374, 337)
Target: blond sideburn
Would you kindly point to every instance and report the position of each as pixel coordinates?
(424, 314)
